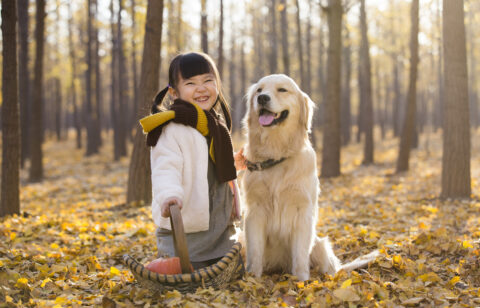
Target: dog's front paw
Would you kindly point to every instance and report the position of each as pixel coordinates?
(255, 269)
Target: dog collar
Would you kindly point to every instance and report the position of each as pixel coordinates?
(259, 166)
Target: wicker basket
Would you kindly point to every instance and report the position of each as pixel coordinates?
(217, 275)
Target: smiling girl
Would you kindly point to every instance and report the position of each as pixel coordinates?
(192, 160)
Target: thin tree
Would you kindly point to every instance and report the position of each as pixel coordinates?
(115, 93)
(139, 189)
(346, 109)
(123, 87)
(272, 59)
(366, 88)
(36, 128)
(456, 182)
(220, 41)
(23, 76)
(204, 26)
(73, 89)
(134, 70)
(299, 45)
(10, 189)
(92, 146)
(284, 27)
(308, 76)
(406, 139)
(331, 132)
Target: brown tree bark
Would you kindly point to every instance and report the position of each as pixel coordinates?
(346, 109)
(220, 41)
(272, 59)
(139, 190)
(366, 88)
(10, 186)
(92, 146)
(300, 46)
(73, 89)
(284, 27)
(134, 104)
(204, 26)
(410, 114)
(36, 128)
(308, 76)
(123, 88)
(331, 132)
(114, 97)
(456, 182)
(23, 77)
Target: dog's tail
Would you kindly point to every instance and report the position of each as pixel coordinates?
(361, 261)
(323, 257)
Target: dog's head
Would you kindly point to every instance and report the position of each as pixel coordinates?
(276, 102)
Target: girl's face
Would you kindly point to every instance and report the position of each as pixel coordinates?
(200, 89)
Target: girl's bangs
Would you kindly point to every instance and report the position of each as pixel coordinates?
(194, 64)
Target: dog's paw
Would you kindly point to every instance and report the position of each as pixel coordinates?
(255, 269)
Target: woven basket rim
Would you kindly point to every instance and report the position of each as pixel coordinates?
(202, 274)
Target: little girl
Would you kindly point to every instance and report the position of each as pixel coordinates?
(192, 160)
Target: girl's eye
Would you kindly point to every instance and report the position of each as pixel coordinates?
(189, 83)
(208, 80)
(259, 90)
(282, 90)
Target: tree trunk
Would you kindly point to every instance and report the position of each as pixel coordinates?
(36, 129)
(139, 190)
(220, 42)
(258, 40)
(410, 114)
(441, 93)
(58, 108)
(346, 113)
(331, 132)
(23, 77)
(299, 46)
(285, 55)
(73, 89)
(92, 147)
(308, 77)
(366, 90)
(123, 87)
(272, 59)
(98, 84)
(456, 181)
(204, 26)
(134, 105)
(10, 186)
(114, 99)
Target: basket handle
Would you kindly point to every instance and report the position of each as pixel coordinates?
(179, 239)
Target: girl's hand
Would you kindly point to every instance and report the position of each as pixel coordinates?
(166, 205)
(240, 160)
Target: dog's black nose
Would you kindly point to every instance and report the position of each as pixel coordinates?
(263, 99)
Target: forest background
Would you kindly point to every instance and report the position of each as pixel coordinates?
(395, 132)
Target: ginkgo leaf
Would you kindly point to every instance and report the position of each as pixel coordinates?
(347, 294)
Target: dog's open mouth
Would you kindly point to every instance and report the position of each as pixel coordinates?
(268, 118)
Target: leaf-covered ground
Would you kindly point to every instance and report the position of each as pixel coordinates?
(66, 247)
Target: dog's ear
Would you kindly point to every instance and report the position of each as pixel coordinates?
(249, 101)
(308, 107)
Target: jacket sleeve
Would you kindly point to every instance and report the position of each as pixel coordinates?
(167, 169)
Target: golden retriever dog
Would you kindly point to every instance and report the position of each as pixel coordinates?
(280, 188)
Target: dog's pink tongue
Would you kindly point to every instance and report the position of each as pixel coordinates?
(266, 119)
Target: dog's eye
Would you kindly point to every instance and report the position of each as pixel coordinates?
(282, 90)
(259, 90)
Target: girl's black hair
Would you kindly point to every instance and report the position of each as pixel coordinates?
(186, 66)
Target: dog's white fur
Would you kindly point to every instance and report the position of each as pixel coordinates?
(281, 201)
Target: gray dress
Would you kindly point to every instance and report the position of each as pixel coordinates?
(214, 243)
